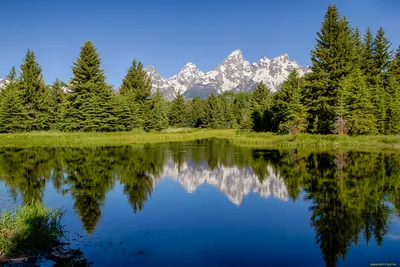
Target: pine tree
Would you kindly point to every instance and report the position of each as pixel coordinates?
(196, 112)
(13, 115)
(137, 82)
(296, 115)
(35, 93)
(392, 106)
(241, 110)
(136, 87)
(333, 58)
(382, 52)
(395, 66)
(368, 63)
(158, 113)
(89, 101)
(213, 112)
(227, 99)
(124, 112)
(176, 113)
(282, 99)
(259, 104)
(290, 114)
(359, 110)
(57, 104)
(379, 79)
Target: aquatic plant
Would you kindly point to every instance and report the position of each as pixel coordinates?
(30, 229)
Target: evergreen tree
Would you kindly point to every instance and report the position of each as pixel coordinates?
(158, 113)
(35, 94)
(214, 113)
(379, 79)
(13, 115)
(358, 112)
(124, 112)
(89, 101)
(283, 98)
(259, 104)
(196, 112)
(227, 100)
(395, 66)
(392, 103)
(137, 82)
(382, 52)
(136, 87)
(290, 114)
(241, 110)
(176, 113)
(333, 58)
(368, 62)
(57, 104)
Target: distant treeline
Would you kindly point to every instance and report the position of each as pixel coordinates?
(354, 88)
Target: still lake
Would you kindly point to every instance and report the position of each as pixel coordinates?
(209, 203)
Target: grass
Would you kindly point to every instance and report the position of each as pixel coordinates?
(29, 230)
(248, 139)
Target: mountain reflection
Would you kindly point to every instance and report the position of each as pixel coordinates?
(351, 194)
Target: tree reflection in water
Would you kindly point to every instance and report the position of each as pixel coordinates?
(351, 194)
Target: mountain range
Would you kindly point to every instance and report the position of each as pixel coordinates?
(233, 181)
(234, 74)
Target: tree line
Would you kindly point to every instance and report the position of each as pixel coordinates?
(353, 88)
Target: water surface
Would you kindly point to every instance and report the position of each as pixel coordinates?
(209, 203)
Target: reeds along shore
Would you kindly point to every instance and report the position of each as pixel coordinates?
(237, 137)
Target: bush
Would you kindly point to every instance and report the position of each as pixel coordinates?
(30, 229)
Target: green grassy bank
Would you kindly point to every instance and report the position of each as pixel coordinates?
(29, 230)
(248, 139)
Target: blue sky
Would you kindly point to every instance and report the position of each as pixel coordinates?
(168, 34)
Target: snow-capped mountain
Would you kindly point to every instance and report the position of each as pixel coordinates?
(234, 74)
(234, 182)
(3, 82)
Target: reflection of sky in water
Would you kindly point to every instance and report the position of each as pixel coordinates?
(204, 228)
(236, 214)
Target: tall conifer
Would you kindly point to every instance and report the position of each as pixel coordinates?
(214, 112)
(13, 115)
(158, 113)
(382, 52)
(136, 88)
(260, 101)
(89, 101)
(57, 104)
(333, 58)
(35, 93)
(176, 113)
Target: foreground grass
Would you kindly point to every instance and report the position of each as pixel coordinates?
(29, 229)
(248, 139)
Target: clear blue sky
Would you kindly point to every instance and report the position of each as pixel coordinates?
(168, 34)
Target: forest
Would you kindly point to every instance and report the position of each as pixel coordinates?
(353, 89)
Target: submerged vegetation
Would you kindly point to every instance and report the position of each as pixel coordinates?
(29, 230)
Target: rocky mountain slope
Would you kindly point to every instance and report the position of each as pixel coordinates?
(234, 74)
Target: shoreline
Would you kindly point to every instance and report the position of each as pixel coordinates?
(237, 137)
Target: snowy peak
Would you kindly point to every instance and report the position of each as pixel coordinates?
(235, 56)
(3, 83)
(234, 74)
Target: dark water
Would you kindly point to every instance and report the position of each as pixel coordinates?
(208, 203)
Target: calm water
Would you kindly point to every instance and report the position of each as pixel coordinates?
(208, 203)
